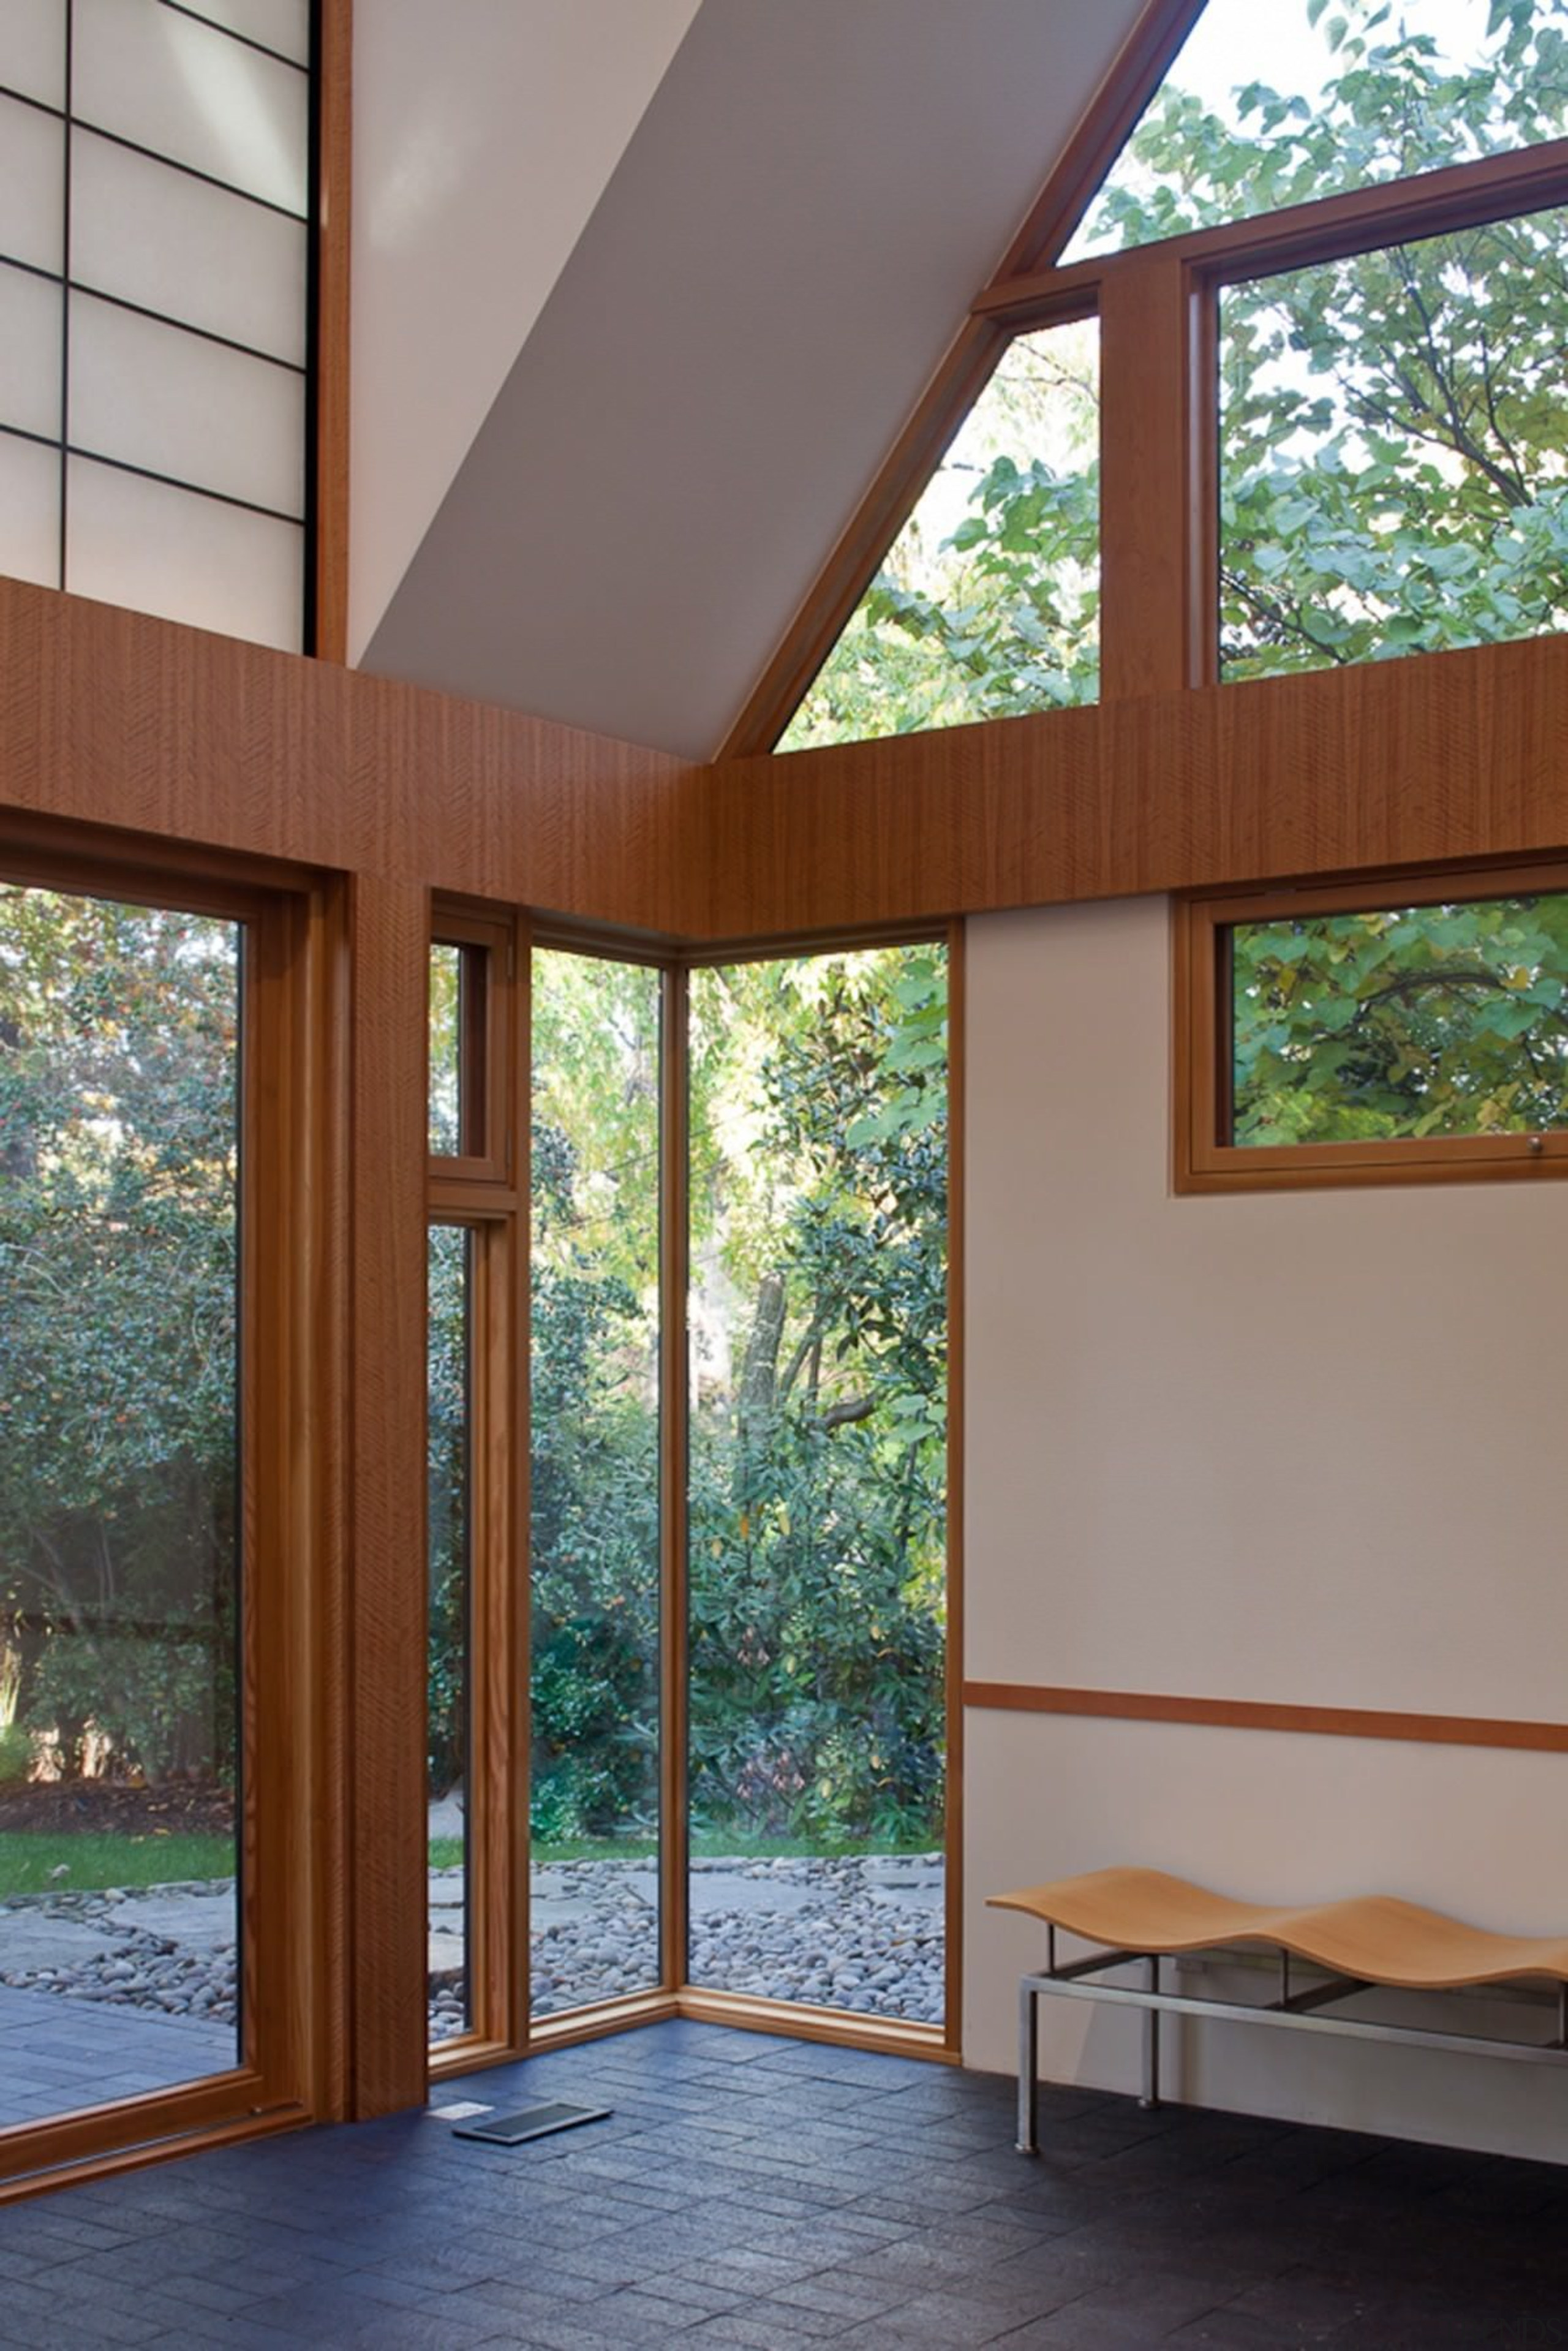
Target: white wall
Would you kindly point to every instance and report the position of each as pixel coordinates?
(1304, 1448)
(485, 133)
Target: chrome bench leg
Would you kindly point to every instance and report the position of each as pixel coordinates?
(1028, 2068)
(1151, 2096)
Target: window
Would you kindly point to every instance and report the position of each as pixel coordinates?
(595, 1583)
(475, 1301)
(1394, 451)
(1375, 1032)
(818, 1495)
(988, 605)
(155, 230)
(1267, 106)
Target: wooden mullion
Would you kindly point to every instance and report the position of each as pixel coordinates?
(1149, 516)
(388, 1899)
(1328, 228)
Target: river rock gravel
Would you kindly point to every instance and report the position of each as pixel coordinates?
(92, 1946)
(861, 1932)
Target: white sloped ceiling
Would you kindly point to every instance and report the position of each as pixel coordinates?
(783, 248)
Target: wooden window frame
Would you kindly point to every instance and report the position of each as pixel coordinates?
(487, 1053)
(502, 2029)
(1203, 1161)
(290, 1289)
(1158, 309)
(478, 1191)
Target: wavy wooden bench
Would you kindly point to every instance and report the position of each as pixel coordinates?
(1372, 1943)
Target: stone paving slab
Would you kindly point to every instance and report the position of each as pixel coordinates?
(63, 2054)
(197, 1922)
(33, 1938)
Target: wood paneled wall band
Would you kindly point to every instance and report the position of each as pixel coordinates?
(111, 716)
(1444, 756)
(1246, 1714)
(333, 136)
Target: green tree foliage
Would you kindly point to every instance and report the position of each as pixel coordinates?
(1418, 1020)
(1393, 475)
(118, 1194)
(819, 1207)
(988, 603)
(595, 1438)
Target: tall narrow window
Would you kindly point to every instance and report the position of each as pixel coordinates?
(155, 225)
(450, 1387)
(120, 1693)
(473, 1274)
(595, 1484)
(988, 603)
(818, 1331)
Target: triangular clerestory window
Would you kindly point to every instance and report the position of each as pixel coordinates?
(988, 603)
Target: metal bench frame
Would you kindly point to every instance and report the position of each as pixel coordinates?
(1300, 2010)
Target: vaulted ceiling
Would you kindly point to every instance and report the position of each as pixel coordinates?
(645, 290)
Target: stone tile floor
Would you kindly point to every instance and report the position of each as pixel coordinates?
(754, 2191)
(59, 2054)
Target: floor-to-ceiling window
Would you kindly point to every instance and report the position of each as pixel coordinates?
(148, 1869)
(818, 1337)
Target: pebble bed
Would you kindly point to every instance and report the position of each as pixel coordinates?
(862, 1932)
(138, 1969)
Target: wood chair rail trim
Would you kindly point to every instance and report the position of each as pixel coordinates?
(1249, 1714)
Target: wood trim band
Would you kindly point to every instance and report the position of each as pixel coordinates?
(1247, 1714)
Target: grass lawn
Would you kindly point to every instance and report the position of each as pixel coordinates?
(34, 1862)
(712, 1845)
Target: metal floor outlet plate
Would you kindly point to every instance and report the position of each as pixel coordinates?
(533, 2122)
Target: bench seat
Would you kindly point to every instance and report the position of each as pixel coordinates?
(1374, 1937)
(1375, 1941)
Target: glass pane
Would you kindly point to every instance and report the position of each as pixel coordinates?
(183, 557)
(450, 1353)
(31, 359)
(155, 75)
(988, 605)
(33, 49)
(595, 1480)
(32, 187)
(1280, 105)
(817, 1465)
(119, 1712)
(176, 245)
(1392, 430)
(190, 409)
(280, 24)
(29, 512)
(1413, 1021)
(446, 1105)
